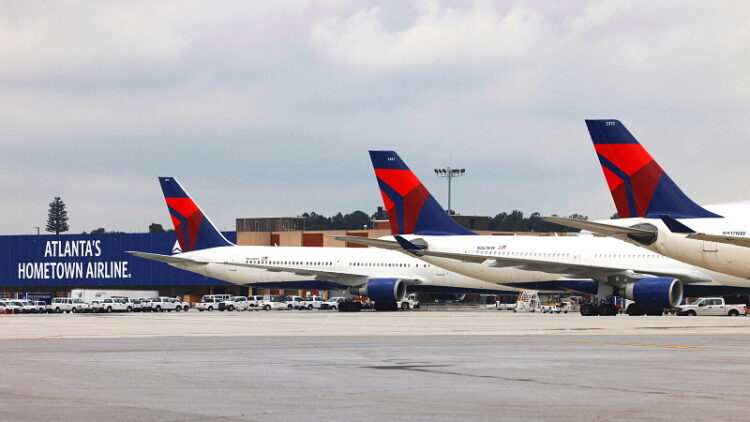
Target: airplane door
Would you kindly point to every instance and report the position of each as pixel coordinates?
(232, 262)
(710, 246)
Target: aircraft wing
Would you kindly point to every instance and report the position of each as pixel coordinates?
(377, 243)
(167, 259)
(729, 240)
(601, 228)
(350, 279)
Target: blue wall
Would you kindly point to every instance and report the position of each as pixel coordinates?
(93, 261)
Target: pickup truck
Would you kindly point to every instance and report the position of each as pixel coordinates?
(234, 303)
(273, 302)
(333, 303)
(208, 304)
(312, 302)
(294, 302)
(115, 305)
(711, 306)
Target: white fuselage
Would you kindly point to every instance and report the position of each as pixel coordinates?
(583, 249)
(355, 266)
(728, 259)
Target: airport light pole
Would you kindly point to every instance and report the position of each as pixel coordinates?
(449, 173)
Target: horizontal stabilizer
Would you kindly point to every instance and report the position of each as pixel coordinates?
(729, 240)
(601, 228)
(366, 241)
(168, 259)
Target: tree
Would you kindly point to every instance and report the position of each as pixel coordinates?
(380, 214)
(357, 220)
(100, 230)
(57, 219)
(155, 228)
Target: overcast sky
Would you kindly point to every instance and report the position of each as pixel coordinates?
(268, 108)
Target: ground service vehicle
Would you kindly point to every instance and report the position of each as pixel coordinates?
(409, 302)
(711, 306)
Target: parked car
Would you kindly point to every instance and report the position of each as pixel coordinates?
(28, 306)
(66, 304)
(254, 301)
(294, 302)
(273, 302)
(181, 305)
(711, 306)
(41, 305)
(162, 304)
(312, 302)
(208, 304)
(114, 305)
(146, 303)
(333, 303)
(11, 306)
(234, 303)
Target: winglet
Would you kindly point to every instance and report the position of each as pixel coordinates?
(639, 186)
(410, 206)
(675, 226)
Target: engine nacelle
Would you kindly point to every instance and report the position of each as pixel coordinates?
(382, 289)
(660, 292)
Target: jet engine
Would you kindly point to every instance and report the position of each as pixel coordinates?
(382, 289)
(658, 292)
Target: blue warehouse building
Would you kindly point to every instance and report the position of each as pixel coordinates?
(59, 263)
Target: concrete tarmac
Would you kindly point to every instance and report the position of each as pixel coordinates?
(476, 365)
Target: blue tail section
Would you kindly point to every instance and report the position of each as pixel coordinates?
(410, 206)
(194, 230)
(639, 186)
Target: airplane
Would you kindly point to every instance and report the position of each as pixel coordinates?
(600, 266)
(383, 276)
(657, 215)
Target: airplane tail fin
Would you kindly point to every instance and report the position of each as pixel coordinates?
(410, 206)
(639, 186)
(194, 230)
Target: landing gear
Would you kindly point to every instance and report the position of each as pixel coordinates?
(637, 310)
(386, 306)
(589, 309)
(607, 309)
(350, 306)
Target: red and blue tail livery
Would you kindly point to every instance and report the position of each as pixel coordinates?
(639, 186)
(411, 209)
(194, 230)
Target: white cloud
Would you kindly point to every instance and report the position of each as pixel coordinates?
(438, 36)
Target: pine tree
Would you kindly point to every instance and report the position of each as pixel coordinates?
(57, 219)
